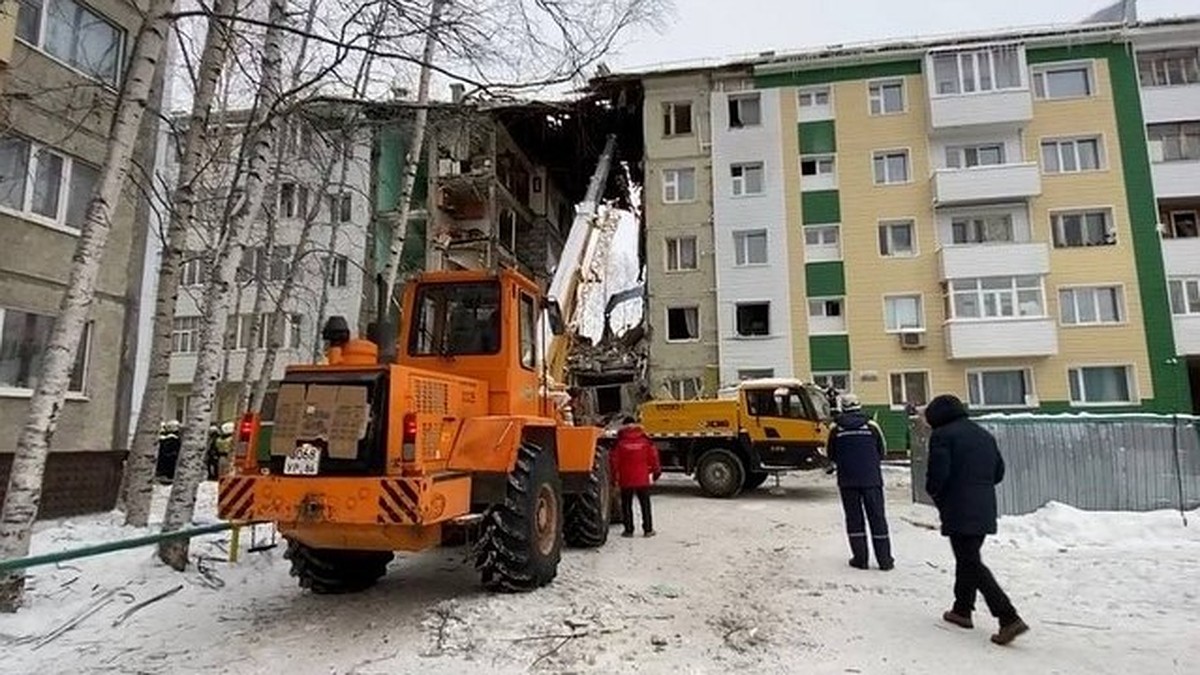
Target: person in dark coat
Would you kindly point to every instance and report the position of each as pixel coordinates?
(635, 464)
(964, 468)
(168, 452)
(856, 447)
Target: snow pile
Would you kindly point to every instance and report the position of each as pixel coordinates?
(1059, 526)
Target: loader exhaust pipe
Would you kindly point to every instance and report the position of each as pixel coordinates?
(385, 329)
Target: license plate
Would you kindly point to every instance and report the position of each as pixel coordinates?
(305, 460)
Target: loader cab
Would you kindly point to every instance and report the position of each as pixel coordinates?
(784, 409)
(479, 325)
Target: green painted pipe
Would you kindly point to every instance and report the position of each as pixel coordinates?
(18, 564)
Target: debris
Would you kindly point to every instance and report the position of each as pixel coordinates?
(917, 523)
(658, 641)
(576, 624)
(665, 591)
(554, 651)
(1077, 625)
(145, 603)
(78, 618)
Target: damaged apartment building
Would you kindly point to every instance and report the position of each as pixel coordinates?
(498, 187)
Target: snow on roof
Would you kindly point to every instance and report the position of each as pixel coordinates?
(767, 382)
(1086, 417)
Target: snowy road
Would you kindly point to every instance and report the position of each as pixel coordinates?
(758, 583)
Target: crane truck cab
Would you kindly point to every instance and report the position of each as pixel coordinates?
(734, 442)
(373, 454)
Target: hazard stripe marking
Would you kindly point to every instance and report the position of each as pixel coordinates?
(392, 491)
(392, 516)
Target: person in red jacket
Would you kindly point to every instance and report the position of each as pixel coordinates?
(635, 464)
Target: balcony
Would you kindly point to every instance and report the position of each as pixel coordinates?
(1170, 104)
(1181, 257)
(1176, 179)
(1004, 107)
(1187, 334)
(969, 261)
(981, 184)
(1001, 339)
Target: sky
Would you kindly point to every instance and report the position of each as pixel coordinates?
(715, 28)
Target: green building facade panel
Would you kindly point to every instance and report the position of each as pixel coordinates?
(829, 353)
(817, 138)
(820, 207)
(824, 279)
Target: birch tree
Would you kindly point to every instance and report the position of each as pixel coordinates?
(139, 471)
(33, 443)
(245, 204)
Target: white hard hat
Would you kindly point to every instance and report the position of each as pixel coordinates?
(227, 428)
(850, 402)
(172, 425)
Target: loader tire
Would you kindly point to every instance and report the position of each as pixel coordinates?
(755, 480)
(720, 473)
(521, 539)
(332, 571)
(586, 524)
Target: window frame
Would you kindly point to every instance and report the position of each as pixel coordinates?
(1075, 289)
(1181, 138)
(1039, 81)
(960, 152)
(739, 184)
(82, 359)
(339, 271)
(677, 243)
(674, 183)
(39, 45)
(736, 100)
(526, 331)
(1156, 59)
(875, 94)
(814, 92)
(1073, 141)
(33, 151)
(667, 321)
(1029, 400)
(1058, 238)
(921, 328)
(928, 382)
(810, 250)
(741, 247)
(737, 323)
(1077, 371)
(976, 72)
(885, 155)
(826, 377)
(887, 226)
(977, 224)
(671, 119)
(680, 393)
(1012, 293)
(1185, 284)
(823, 302)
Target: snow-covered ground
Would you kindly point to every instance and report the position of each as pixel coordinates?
(756, 584)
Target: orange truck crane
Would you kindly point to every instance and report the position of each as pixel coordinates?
(453, 425)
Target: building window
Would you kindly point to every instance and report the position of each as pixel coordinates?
(750, 248)
(185, 335)
(1178, 142)
(677, 118)
(817, 97)
(818, 172)
(1169, 67)
(73, 34)
(1063, 81)
(745, 110)
(1072, 155)
(1091, 305)
(997, 298)
(984, 229)
(684, 388)
(755, 374)
(341, 207)
(896, 239)
(1182, 224)
(339, 271)
(287, 200)
(679, 185)
(826, 316)
(747, 179)
(903, 313)
(193, 271)
(911, 387)
(968, 156)
(1185, 296)
(822, 243)
(683, 324)
(24, 337)
(681, 254)
(753, 319)
(274, 264)
(999, 388)
(1083, 228)
(984, 70)
(839, 381)
(46, 185)
(1100, 384)
(891, 167)
(240, 334)
(181, 407)
(886, 98)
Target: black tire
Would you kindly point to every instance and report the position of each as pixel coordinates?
(587, 517)
(720, 473)
(521, 539)
(755, 480)
(332, 571)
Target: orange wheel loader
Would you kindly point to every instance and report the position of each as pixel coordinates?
(452, 427)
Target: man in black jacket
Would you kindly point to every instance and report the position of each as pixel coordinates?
(856, 447)
(964, 468)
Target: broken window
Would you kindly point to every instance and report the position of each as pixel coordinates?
(683, 324)
(677, 118)
(754, 319)
(745, 110)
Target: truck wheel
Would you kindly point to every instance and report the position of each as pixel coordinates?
(586, 525)
(755, 480)
(720, 473)
(521, 539)
(330, 571)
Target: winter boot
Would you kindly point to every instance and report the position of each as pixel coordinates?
(961, 620)
(1010, 631)
(859, 564)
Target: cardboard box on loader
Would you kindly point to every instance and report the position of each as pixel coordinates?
(732, 444)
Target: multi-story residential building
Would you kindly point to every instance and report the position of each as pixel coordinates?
(971, 215)
(59, 78)
(323, 183)
(1168, 60)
